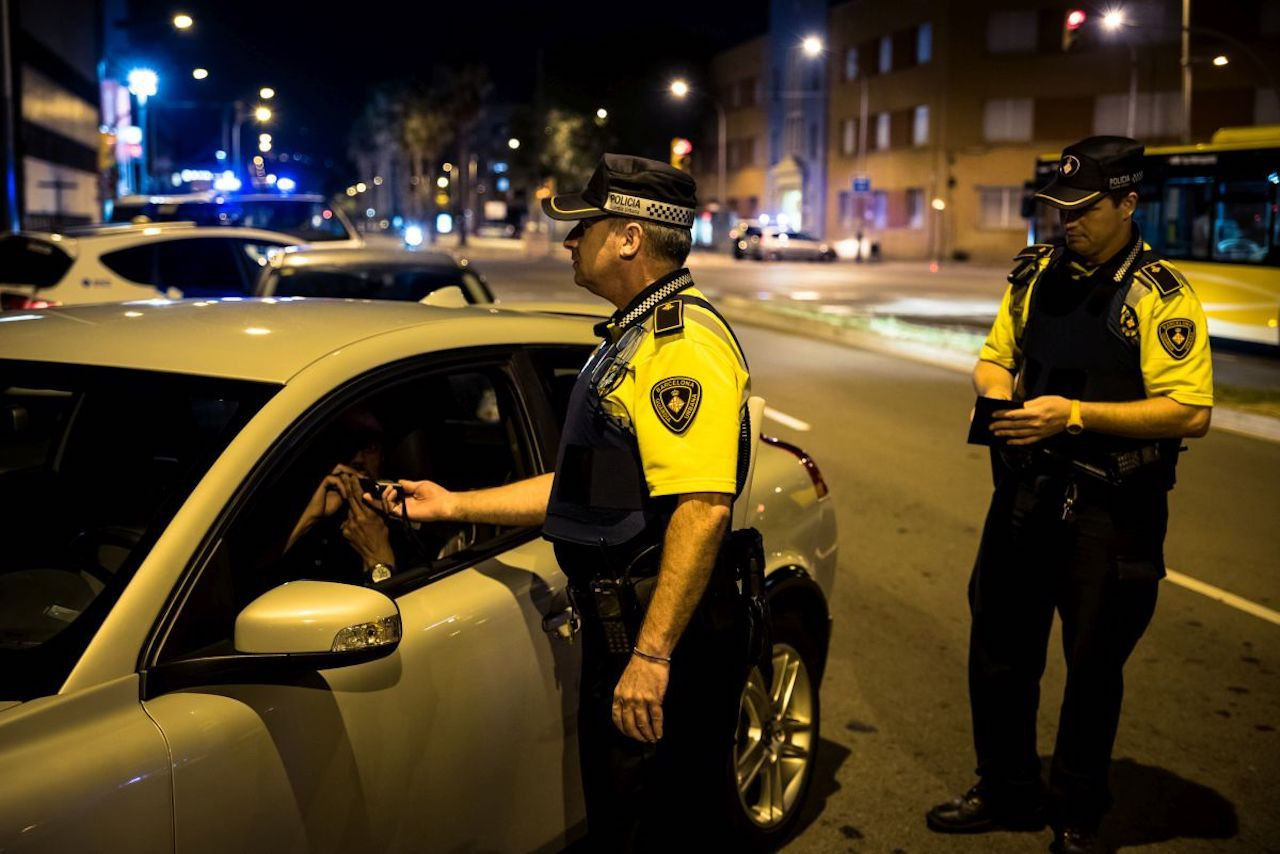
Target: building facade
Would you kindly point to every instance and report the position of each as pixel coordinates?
(52, 150)
(934, 112)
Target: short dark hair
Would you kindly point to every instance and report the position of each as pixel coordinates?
(665, 243)
(1118, 196)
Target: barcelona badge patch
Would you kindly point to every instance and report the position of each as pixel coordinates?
(1177, 336)
(676, 401)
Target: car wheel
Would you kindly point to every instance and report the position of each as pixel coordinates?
(776, 744)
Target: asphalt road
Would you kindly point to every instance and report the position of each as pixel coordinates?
(1198, 755)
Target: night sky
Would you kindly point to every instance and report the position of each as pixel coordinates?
(619, 56)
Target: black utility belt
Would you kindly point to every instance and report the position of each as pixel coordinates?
(1118, 468)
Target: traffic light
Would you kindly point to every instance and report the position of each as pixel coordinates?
(1072, 25)
(681, 152)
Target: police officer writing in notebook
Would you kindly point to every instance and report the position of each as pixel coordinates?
(652, 454)
(1102, 346)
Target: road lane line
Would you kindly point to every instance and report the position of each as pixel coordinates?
(786, 420)
(1219, 595)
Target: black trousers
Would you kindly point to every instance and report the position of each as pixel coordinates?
(1100, 572)
(668, 796)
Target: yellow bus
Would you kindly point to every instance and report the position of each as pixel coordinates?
(1214, 208)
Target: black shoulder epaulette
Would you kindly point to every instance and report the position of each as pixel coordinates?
(668, 317)
(1027, 262)
(1163, 277)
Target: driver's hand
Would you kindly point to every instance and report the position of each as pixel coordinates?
(424, 501)
(332, 492)
(364, 529)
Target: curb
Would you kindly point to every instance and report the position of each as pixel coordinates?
(954, 351)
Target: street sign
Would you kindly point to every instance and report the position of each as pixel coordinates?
(862, 183)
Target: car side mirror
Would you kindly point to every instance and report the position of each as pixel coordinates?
(450, 296)
(318, 617)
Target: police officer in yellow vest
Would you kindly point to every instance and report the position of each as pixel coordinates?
(653, 451)
(1102, 347)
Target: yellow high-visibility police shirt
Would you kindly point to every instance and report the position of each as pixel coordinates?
(1171, 365)
(683, 395)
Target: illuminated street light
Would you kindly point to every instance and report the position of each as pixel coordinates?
(182, 21)
(812, 46)
(377, 180)
(266, 93)
(938, 205)
(351, 191)
(602, 114)
(679, 88)
(513, 143)
(257, 161)
(200, 73)
(1220, 60)
(448, 167)
(442, 182)
(361, 187)
(1113, 19)
(143, 83)
(262, 114)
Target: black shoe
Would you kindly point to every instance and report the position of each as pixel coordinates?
(1075, 840)
(977, 812)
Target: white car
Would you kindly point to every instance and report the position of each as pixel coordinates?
(776, 244)
(178, 673)
(116, 263)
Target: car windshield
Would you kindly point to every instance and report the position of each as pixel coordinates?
(391, 282)
(312, 221)
(93, 464)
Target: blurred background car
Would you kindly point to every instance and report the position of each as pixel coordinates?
(382, 274)
(114, 263)
(307, 217)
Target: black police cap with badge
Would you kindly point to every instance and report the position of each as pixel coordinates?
(633, 187)
(1092, 168)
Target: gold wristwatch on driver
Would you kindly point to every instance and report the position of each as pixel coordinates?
(381, 572)
(1075, 424)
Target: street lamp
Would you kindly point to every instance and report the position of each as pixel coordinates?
(266, 93)
(513, 143)
(1221, 60)
(1113, 19)
(680, 89)
(812, 46)
(143, 83)
(262, 114)
(602, 114)
(182, 21)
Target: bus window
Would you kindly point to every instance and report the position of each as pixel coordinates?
(1187, 212)
(1240, 226)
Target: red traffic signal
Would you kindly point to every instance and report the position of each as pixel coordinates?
(1071, 25)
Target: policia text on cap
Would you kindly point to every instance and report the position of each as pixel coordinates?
(651, 456)
(1103, 345)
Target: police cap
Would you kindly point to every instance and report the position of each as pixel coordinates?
(1092, 167)
(628, 186)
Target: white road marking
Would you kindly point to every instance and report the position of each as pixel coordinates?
(785, 419)
(1219, 595)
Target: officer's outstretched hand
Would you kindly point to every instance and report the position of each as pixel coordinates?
(424, 501)
(1039, 418)
(637, 699)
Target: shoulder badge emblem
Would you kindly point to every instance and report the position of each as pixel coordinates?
(1165, 279)
(1128, 322)
(668, 318)
(676, 401)
(1177, 336)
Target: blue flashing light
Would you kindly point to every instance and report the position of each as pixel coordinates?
(444, 223)
(143, 82)
(504, 184)
(397, 221)
(499, 167)
(220, 154)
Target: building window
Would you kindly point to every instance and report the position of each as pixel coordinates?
(1007, 119)
(915, 208)
(886, 54)
(1155, 114)
(848, 136)
(851, 63)
(1011, 32)
(924, 43)
(920, 125)
(1000, 207)
(882, 131)
(879, 214)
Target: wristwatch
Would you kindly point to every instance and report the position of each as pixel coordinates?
(1075, 424)
(381, 572)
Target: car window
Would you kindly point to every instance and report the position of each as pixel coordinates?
(30, 261)
(458, 428)
(389, 283)
(137, 263)
(199, 267)
(93, 463)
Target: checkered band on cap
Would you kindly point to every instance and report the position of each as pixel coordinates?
(641, 208)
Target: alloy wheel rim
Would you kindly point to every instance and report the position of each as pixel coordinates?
(774, 745)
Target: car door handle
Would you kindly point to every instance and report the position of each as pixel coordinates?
(563, 624)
